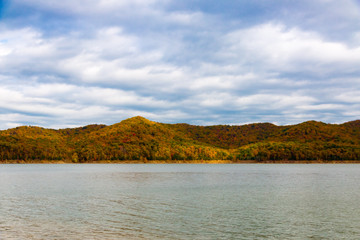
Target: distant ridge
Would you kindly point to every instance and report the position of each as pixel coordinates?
(140, 139)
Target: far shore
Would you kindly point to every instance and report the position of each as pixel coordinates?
(184, 162)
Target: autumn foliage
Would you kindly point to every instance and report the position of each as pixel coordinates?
(140, 139)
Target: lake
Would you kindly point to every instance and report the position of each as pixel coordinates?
(180, 201)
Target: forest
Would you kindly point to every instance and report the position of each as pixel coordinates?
(141, 140)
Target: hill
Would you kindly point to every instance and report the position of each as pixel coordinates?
(140, 139)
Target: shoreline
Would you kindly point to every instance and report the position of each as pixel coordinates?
(186, 162)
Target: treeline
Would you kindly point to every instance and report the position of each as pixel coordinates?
(140, 139)
(322, 151)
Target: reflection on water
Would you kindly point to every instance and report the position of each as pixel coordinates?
(179, 201)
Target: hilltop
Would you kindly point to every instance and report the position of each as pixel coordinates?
(142, 140)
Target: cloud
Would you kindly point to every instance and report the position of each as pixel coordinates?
(67, 63)
(46, 102)
(108, 56)
(280, 49)
(349, 96)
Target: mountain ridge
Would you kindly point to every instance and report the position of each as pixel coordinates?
(142, 140)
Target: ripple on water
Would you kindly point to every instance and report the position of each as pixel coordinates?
(179, 202)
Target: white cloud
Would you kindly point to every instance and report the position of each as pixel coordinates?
(108, 56)
(273, 101)
(69, 102)
(19, 46)
(277, 48)
(351, 96)
(213, 82)
(332, 107)
(353, 113)
(185, 18)
(124, 58)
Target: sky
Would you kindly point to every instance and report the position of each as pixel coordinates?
(205, 62)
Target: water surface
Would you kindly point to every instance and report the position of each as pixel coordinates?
(180, 201)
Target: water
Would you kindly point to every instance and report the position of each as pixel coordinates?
(183, 201)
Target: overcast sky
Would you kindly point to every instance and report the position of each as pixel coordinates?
(71, 63)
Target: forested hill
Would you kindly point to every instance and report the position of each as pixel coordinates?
(144, 140)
